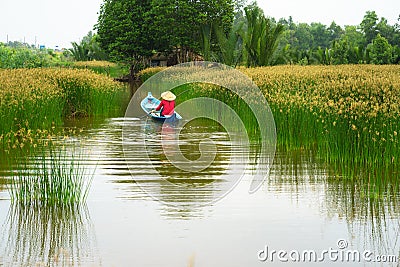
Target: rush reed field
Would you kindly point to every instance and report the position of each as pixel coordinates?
(33, 101)
(348, 114)
(103, 67)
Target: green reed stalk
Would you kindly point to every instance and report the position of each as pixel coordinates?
(56, 177)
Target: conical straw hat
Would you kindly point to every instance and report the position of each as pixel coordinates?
(168, 95)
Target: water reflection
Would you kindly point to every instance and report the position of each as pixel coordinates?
(59, 235)
(375, 217)
(164, 180)
(3, 183)
(371, 210)
(369, 201)
(5, 173)
(297, 172)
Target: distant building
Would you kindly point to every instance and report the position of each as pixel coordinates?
(159, 60)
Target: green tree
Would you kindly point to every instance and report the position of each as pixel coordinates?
(288, 46)
(269, 42)
(335, 31)
(303, 36)
(396, 54)
(353, 36)
(184, 26)
(340, 51)
(397, 25)
(391, 33)
(381, 51)
(123, 31)
(369, 26)
(79, 51)
(229, 44)
(321, 35)
(323, 56)
(95, 51)
(176, 27)
(239, 4)
(131, 30)
(205, 33)
(349, 48)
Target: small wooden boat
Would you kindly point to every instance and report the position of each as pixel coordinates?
(150, 102)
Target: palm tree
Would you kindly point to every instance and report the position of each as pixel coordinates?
(230, 45)
(269, 41)
(205, 32)
(88, 49)
(261, 37)
(79, 51)
(252, 36)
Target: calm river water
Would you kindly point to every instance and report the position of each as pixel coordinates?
(301, 209)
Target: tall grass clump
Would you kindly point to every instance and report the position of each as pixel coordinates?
(32, 99)
(147, 73)
(28, 100)
(88, 94)
(55, 176)
(242, 109)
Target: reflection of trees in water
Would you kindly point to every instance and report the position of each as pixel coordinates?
(48, 236)
(370, 205)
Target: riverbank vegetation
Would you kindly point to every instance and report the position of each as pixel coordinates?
(40, 99)
(39, 90)
(349, 114)
(34, 104)
(108, 68)
(231, 32)
(19, 55)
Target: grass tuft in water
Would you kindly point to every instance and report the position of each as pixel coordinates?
(55, 176)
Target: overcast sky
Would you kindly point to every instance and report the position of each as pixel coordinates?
(60, 22)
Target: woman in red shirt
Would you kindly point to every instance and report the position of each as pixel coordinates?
(167, 104)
